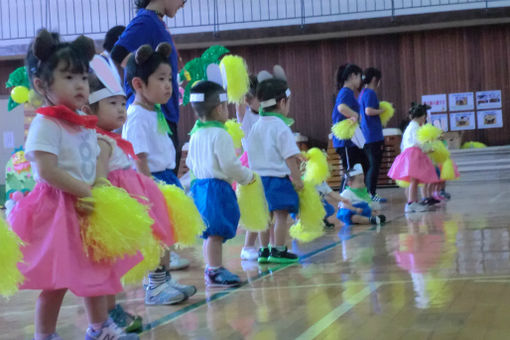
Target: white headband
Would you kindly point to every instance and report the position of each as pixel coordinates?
(94, 97)
(200, 97)
(357, 169)
(272, 101)
(108, 76)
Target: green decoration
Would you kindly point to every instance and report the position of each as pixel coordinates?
(18, 78)
(11, 105)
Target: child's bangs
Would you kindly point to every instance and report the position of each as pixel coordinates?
(72, 61)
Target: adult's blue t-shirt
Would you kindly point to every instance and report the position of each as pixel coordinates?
(345, 96)
(370, 125)
(148, 28)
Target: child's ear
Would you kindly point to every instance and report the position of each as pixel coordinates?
(39, 86)
(87, 110)
(137, 84)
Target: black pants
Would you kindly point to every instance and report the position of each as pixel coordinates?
(356, 155)
(175, 140)
(374, 153)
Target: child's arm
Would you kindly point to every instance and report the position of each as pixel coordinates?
(229, 163)
(293, 164)
(142, 164)
(103, 160)
(373, 112)
(348, 112)
(241, 111)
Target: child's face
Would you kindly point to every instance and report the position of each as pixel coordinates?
(111, 113)
(173, 6)
(356, 80)
(421, 120)
(69, 89)
(220, 113)
(358, 181)
(254, 104)
(285, 106)
(158, 89)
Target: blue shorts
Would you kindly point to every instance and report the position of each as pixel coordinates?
(345, 215)
(280, 194)
(168, 176)
(217, 204)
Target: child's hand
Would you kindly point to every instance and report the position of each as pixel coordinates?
(84, 206)
(298, 184)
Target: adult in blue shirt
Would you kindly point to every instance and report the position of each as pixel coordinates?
(148, 27)
(348, 79)
(372, 129)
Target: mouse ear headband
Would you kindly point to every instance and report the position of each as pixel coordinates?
(108, 77)
(278, 73)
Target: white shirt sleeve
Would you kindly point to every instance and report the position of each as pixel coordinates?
(44, 135)
(286, 144)
(228, 162)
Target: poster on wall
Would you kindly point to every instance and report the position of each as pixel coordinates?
(437, 102)
(462, 121)
(490, 119)
(488, 100)
(439, 120)
(461, 101)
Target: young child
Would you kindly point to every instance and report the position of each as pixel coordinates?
(107, 101)
(413, 165)
(62, 147)
(361, 209)
(213, 161)
(149, 74)
(273, 153)
(326, 193)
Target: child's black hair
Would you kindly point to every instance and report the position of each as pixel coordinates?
(418, 110)
(371, 73)
(145, 61)
(252, 92)
(46, 52)
(273, 88)
(112, 36)
(142, 3)
(344, 72)
(211, 92)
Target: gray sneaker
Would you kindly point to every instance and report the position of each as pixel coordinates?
(177, 262)
(110, 331)
(415, 207)
(187, 290)
(164, 294)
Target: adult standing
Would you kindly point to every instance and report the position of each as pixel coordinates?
(348, 80)
(148, 27)
(372, 129)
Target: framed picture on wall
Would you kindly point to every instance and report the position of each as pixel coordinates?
(461, 101)
(462, 121)
(437, 102)
(439, 120)
(490, 119)
(488, 100)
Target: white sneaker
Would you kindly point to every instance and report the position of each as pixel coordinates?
(177, 262)
(415, 207)
(109, 331)
(249, 254)
(164, 294)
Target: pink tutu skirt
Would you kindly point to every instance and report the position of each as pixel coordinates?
(146, 191)
(47, 222)
(413, 164)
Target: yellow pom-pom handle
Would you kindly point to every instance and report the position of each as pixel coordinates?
(344, 129)
(184, 215)
(235, 131)
(118, 226)
(473, 145)
(439, 153)
(152, 253)
(428, 133)
(310, 224)
(253, 205)
(317, 168)
(238, 80)
(10, 255)
(388, 113)
(448, 171)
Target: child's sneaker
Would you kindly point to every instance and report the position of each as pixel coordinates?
(378, 220)
(377, 198)
(53, 336)
(164, 294)
(415, 207)
(177, 262)
(128, 322)
(281, 256)
(187, 290)
(263, 255)
(221, 277)
(249, 254)
(446, 195)
(328, 226)
(109, 331)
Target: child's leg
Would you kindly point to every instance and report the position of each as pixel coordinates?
(96, 311)
(110, 302)
(413, 191)
(249, 252)
(264, 237)
(214, 252)
(215, 274)
(359, 219)
(47, 308)
(281, 228)
(250, 239)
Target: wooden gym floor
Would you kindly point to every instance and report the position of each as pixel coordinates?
(438, 275)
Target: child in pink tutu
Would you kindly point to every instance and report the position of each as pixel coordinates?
(413, 165)
(116, 161)
(62, 147)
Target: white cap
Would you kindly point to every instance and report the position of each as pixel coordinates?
(357, 169)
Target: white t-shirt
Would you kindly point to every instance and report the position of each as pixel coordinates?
(351, 196)
(118, 159)
(75, 146)
(249, 120)
(212, 155)
(324, 189)
(409, 139)
(141, 129)
(270, 143)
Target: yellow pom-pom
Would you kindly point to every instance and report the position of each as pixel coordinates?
(235, 131)
(151, 259)
(10, 255)
(439, 152)
(311, 215)
(402, 184)
(473, 145)
(317, 168)
(388, 113)
(238, 80)
(344, 129)
(118, 226)
(428, 133)
(448, 171)
(184, 215)
(253, 206)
